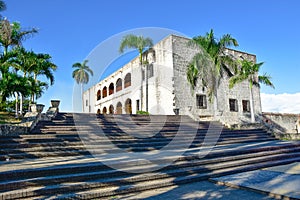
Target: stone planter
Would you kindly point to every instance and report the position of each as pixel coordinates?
(32, 108)
(37, 108)
(55, 103)
(40, 107)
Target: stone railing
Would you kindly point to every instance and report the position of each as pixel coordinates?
(282, 125)
(31, 119)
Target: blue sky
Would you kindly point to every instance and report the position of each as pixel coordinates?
(70, 29)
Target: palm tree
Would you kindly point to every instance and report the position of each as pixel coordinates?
(2, 6)
(11, 34)
(34, 65)
(210, 64)
(139, 43)
(249, 72)
(81, 74)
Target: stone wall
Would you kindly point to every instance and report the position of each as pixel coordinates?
(185, 96)
(285, 126)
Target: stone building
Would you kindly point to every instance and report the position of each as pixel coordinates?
(165, 89)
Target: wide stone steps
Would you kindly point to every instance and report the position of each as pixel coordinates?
(53, 161)
(121, 182)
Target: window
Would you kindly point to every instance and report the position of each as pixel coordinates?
(98, 95)
(233, 105)
(104, 92)
(143, 74)
(86, 102)
(137, 105)
(127, 80)
(246, 106)
(119, 85)
(111, 109)
(201, 102)
(111, 89)
(150, 71)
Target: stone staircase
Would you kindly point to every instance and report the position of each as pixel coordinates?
(55, 161)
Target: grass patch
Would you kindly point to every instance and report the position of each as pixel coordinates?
(8, 118)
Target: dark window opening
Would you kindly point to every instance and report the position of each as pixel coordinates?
(137, 105)
(98, 95)
(233, 105)
(143, 74)
(111, 89)
(127, 81)
(201, 101)
(119, 85)
(246, 106)
(150, 71)
(104, 92)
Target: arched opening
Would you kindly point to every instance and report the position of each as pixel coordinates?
(111, 109)
(98, 95)
(127, 81)
(128, 108)
(98, 112)
(111, 89)
(104, 92)
(119, 108)
(119, 85)
(104, 111)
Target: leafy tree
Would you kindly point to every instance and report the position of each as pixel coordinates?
(249, 72)
(139, 43)
(11, 34)
(81, 74)
(211, 62)
(2, 6)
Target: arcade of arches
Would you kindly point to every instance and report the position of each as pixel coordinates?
(119, 108)
(111, 89)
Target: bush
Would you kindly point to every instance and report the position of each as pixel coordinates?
(141, 112)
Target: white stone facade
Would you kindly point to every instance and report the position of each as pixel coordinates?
(169, 92)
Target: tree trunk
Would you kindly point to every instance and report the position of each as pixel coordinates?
(146, 77)
(251, 106)
(82, 97)
(142, 102)
(21, 104)
(17, 109)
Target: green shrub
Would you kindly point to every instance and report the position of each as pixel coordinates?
(141, 112)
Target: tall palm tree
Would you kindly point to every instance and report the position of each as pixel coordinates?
(139, 43)
(249, 72)
(81, 74)
(2, 6)
(11, 34)
(210, 64)
(33, 65)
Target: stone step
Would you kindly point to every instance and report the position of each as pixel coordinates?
(119, 137)
(12, 150)
(71, 165)
(165, 177)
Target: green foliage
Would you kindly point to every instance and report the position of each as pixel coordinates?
(82, 72)
(141, 112)
(249, 72)
(19, 69)
(135, 42)
(211, 61)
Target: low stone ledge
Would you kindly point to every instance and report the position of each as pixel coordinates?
(13, 129)
(27, 124)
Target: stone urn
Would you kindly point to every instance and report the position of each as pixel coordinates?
(55, 103)
(32, 107)
(40, 107)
